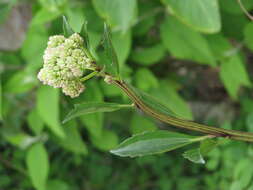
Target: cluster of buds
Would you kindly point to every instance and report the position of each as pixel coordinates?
(64, 64)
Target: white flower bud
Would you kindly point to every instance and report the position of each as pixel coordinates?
(64, 63)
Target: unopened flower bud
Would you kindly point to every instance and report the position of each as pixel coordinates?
(64, 64)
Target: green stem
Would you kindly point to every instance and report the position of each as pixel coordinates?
(180, 123)
(87, 77)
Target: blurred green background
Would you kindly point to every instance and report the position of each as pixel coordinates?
(194, 55)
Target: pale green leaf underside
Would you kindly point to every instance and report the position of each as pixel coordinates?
(201, 15)
(154, 142)
(93, 107)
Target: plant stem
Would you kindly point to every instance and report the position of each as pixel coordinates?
(181, 123)
(87, 77)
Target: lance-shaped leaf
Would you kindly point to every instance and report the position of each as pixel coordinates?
(85, 36)
(93, 107)
(38, 165)
(154, 142)
(112, 63)
(67, 30)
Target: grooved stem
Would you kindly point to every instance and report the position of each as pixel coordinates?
(180, 123)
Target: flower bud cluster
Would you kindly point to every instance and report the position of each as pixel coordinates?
(64, 64)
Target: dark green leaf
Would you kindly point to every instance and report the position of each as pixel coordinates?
(201, 15)
(149, 143)
(67, 30)
(194, 155)
(93, 107)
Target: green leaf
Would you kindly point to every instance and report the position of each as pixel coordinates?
(38, 166)
(207, 146)
(201, 15)
(73, 140)
(106, 141)
(94, 122)
(76, 17)
(148, 55)
(67, 30)
(248, 37)
(84, 34)
(93, 107)
(243, 172)
(150, 81)
(184, 43)
(44, 15)
(48, 108)
(53, 5)
(149, 143)
(220, 46)
(120, 14)
(112, 64)
(194, 155)
(23, 140)
(1, 100)
(140, 124)
(21, 82)
(122, 44)
(234, 8)
(35, 122)
(152, 102)
(249, 122)
(35, 44)
(57, 184)
(168, 96)
(234, 75)
(238, 22)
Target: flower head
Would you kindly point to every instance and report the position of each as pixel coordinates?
(64, 64)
